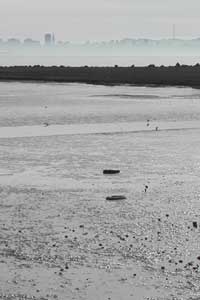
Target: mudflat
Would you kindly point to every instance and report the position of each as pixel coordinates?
(61, 239)
(59, 236)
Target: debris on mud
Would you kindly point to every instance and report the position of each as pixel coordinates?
(110, 172)
(116, 198)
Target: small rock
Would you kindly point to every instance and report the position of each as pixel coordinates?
(180, 261)
(170, 261)
(194, 223)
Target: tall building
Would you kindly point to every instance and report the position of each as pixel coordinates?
(49, 39)
(53, 38)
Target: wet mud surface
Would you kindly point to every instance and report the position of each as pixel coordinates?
(61, 239)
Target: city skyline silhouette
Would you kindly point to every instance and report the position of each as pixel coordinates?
(94, 20)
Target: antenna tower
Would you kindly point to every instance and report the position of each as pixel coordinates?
(173, 31)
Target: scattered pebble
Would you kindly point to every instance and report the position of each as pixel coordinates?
(194, 223)
(180, 261)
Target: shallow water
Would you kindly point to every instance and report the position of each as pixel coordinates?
(59, 237)
(35, 104)
(94, 60)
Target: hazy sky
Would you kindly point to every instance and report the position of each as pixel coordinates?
(79, 20)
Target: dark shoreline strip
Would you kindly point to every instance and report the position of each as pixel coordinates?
(151, 75)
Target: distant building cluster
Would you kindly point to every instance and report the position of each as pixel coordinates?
(49, 40)
(114, 47)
